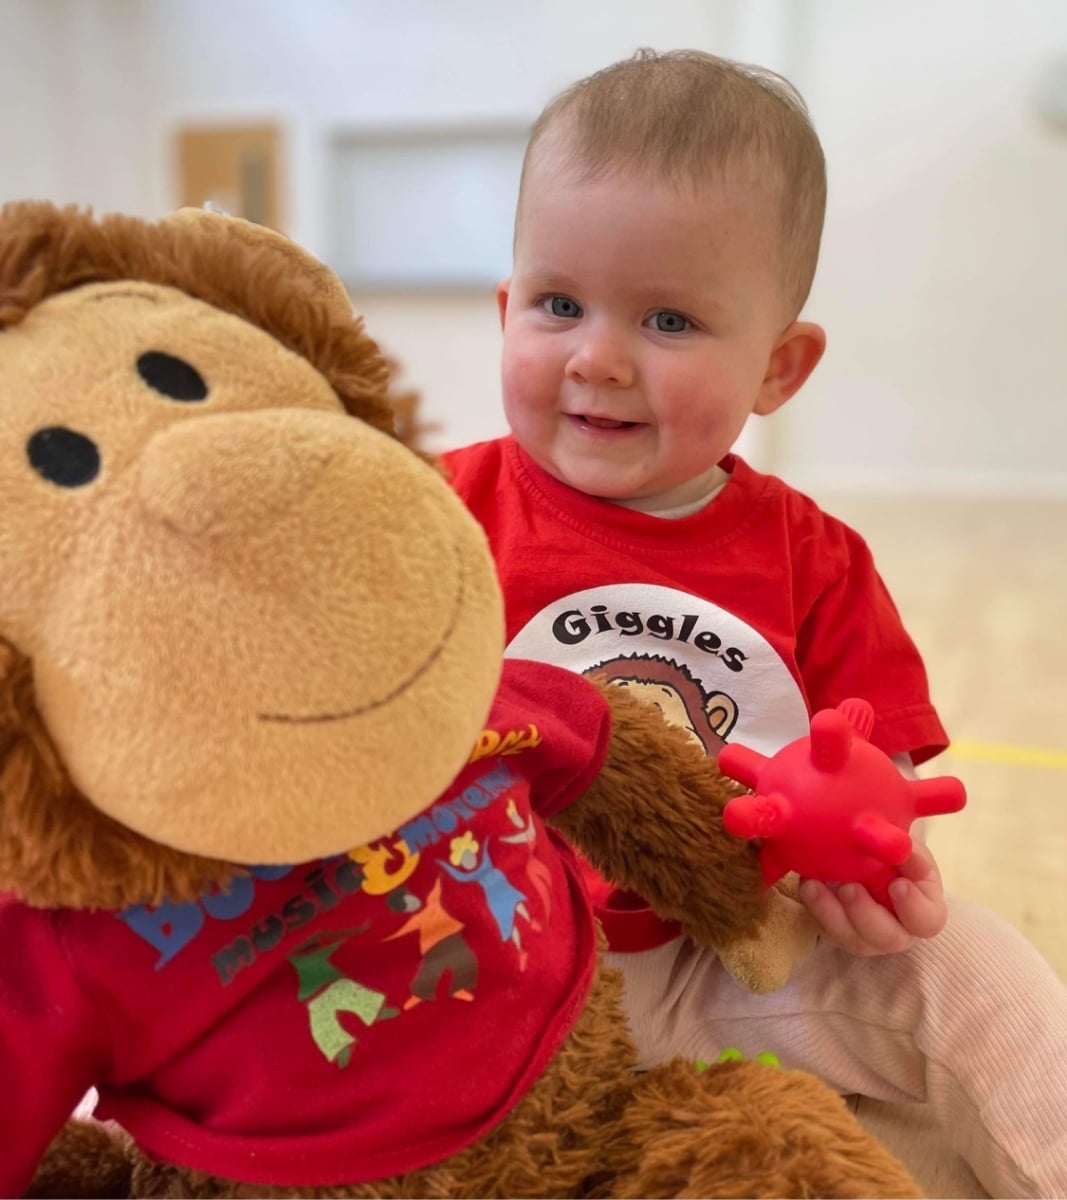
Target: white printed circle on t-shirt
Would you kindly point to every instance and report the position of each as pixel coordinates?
(707, 670)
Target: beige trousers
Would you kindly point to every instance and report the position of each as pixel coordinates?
(972, 1023)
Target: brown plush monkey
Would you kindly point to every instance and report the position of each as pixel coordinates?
(285, 844)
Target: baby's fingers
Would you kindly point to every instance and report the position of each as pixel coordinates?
(920, 907)
(919, 896)
(853, 920)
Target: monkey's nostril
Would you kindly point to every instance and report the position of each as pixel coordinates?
(63, 456)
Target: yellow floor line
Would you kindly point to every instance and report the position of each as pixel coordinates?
(1016, 756)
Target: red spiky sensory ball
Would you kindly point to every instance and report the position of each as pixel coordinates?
(831, 806)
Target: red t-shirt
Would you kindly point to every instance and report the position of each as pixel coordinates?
(739, 621)
(328, 1022)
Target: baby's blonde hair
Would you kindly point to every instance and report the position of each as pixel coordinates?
(687, 116)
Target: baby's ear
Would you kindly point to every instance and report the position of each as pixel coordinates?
(324, 284)
(795, 355)
(503, 290)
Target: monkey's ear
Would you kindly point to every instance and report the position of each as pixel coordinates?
(299, 264)
(721, 711)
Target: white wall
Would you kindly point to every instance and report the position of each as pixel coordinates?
(943, 282)
(944, 276)
(79, 122)
(324, 65)
(29, 145)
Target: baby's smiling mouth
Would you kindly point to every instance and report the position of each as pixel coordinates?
(605, 422)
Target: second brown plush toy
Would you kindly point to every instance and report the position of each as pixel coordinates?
(285, 842)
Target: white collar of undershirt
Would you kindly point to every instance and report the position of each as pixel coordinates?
(717, 481)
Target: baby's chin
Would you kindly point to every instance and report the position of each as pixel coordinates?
(609, 476)
(600, 480)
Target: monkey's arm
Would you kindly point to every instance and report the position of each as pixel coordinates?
(651, 822)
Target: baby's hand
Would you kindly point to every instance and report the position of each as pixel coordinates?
(849, 917)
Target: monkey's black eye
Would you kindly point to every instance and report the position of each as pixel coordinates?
(171, 377)
(63, 456)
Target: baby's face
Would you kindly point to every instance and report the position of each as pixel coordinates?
(638, 325)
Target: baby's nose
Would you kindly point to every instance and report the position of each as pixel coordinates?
(602, 358)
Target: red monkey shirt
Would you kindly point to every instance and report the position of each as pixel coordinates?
(328, 1022)
(738, 621)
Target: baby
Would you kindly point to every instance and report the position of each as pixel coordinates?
(666, 237)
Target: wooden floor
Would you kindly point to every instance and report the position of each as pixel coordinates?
(982, 587)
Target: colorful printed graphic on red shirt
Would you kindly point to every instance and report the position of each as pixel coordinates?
(445, 953)
(505, 902)
(537, 873)
(328, 993)
(347, 987)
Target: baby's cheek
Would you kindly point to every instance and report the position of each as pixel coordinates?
(692, 410)
(529, 381)
(523, 362)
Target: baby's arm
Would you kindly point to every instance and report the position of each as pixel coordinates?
(849, 917)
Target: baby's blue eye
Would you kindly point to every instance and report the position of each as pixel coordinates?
(671, 322)
(564, 306)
